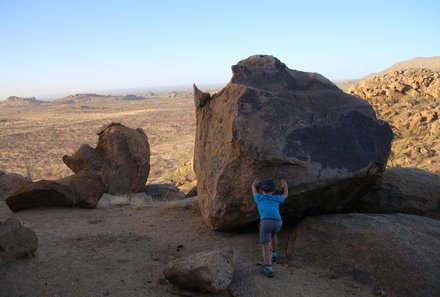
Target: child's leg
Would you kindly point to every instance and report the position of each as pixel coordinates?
(274, 243)
(265, 247)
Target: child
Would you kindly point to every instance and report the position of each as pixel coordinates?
(270, 225)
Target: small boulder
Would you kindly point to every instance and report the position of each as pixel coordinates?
(16, 241)
(209, 272)
(9, 182)
(162, 192)
(187, 203)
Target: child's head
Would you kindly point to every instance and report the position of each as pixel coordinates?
(268, 186)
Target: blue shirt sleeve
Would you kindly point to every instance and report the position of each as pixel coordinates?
(279, 198)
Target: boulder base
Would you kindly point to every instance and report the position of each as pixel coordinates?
(398, 254)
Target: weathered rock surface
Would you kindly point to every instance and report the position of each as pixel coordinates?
(271, 121)
(398, 254)
(83, 189)
(121, 156)
(16, 241)
(209, 272)
(9, 182)
(407, 190)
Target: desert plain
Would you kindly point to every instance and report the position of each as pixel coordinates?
(121, 249)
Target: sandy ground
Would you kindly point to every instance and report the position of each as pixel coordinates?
(122, 251)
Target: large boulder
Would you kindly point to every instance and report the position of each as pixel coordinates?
(271, 121)
(9, 182)
(83, 189)
(397, 254)
(16, 241)
(209, 272)
(121, 156)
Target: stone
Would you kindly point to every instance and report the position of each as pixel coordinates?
(16, 241)
(209, 272)
(9, 182)
(83, 189)
(407, 190)
(274, 122)
(121, 156)
(163, 192)
(395, 253)
(187, 203)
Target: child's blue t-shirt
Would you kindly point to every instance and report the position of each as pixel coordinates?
(268, 205)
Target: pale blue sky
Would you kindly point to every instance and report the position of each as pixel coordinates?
(65, 47)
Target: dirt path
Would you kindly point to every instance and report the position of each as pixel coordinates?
(122, 251)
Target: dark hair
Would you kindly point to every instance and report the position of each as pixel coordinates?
(268, 186)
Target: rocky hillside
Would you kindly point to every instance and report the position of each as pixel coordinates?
(14, 101)
(431, 63)
(410, 101)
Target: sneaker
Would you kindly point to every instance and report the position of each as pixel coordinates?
(274, 256)
(266, 270)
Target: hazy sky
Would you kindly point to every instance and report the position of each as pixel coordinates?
(50, 47)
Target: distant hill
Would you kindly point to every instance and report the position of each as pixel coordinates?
(344, 85)
(15, 101)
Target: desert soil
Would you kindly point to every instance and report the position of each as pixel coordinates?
(122, 251)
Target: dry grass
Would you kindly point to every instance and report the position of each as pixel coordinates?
(37, 137)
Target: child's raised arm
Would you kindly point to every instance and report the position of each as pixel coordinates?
(257, 180)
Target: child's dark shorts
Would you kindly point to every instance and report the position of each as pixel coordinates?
(269, 228)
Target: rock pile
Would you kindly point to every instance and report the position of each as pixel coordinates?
(413, 83)
(410, 101)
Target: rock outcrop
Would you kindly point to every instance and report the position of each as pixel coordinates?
(271, 121)
(9, 182)
(121, 156)
(16, 241)
(395, 85)
(209, 272)
(409, 101)
(83, 189)
(406, 190)
(397, 254)
(15, 101)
